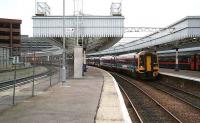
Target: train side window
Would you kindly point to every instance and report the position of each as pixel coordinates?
(136, 62)
(189, 60)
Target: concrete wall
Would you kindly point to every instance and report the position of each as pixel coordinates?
(78, 62)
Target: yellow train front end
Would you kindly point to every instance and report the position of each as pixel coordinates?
(147, 67)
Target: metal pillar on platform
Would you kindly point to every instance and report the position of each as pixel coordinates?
(177, 65)
(84, 61)
(78, 50)
(63, 69)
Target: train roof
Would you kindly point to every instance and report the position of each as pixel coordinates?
(145, 52)
(106, 57)
(92, 58)
(129, 55)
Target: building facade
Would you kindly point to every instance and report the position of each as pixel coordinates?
(10, 31)
(10, 40)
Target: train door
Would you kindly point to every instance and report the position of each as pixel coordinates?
(148, 63)
(133, 64)
(193, 62)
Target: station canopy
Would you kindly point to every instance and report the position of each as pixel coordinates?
(185, 33)
(95, 33)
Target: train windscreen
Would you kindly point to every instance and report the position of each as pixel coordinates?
(154, 60)
(141, 60)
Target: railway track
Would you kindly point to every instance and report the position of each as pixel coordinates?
(146, 108)
(135, 117)
(21, 81)
(189, 98)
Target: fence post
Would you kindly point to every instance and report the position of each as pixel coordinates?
(6, 59)
(33, 86)
(3, 58)
(50, 70)
(14, 82)
(59, 69)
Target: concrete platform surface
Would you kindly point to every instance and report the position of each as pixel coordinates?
(76, 101)
(112, 108)
(73, 102)
(185, 74)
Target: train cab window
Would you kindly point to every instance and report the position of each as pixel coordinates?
(154, 58)
(141, 59)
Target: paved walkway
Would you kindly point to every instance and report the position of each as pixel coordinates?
(112, 108)
(73, 102)
(94, 98)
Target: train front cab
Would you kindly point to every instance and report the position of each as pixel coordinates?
(147, 65)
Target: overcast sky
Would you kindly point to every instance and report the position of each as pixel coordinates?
(148, 13)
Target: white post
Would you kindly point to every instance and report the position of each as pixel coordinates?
(78, 62)
(74, 7)
(176, 67)
(77, 30)
(35, 7)
(63, 70)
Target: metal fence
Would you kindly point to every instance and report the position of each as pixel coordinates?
(23, 75)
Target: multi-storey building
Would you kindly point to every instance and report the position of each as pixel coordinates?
(10, 39)
(10, 30)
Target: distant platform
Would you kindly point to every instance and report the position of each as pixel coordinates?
(184, 74)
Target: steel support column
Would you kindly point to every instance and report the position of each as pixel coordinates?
(84, 61)
(63, 69)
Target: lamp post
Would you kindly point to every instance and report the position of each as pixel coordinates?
(35, 7)
(63, 70)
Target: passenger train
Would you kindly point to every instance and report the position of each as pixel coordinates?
(143, 64)
(186, 61)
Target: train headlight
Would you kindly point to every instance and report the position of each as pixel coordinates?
(155, 74)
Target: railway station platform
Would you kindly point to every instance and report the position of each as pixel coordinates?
(94, 98)
(183, 74)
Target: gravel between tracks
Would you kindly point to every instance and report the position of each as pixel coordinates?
(150, 111)
(131, 111)
(180, 109)
(182, 84)
(189, 98)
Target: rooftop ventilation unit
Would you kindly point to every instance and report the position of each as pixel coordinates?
(115, 9)
(42, 9)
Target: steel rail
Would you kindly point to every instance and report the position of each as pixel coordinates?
(21, 81)
(135, 110)
(189, 93)
(178, 97)
(178, 120)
